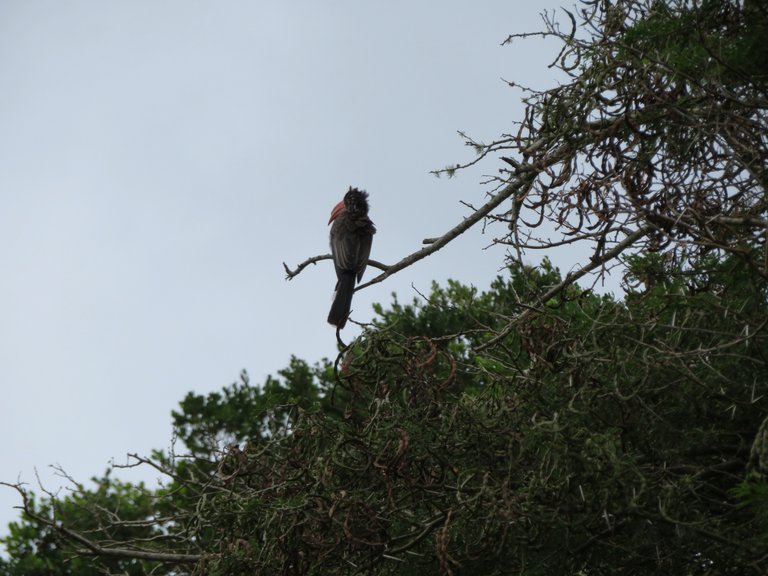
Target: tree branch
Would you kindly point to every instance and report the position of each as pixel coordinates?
(522, 184)
(291, 274)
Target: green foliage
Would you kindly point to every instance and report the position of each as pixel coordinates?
(38, 550)
(241, 412)
(715, 39)
(598, 437)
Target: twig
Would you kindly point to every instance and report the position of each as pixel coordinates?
(291, 274)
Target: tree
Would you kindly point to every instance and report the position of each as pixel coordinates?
(114, 511)
(539, 427)
(123, 528)
(600, 436)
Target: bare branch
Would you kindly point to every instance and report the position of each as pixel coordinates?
(291, 274)
(518, 186)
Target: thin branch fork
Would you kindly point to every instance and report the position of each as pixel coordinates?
(433, 244)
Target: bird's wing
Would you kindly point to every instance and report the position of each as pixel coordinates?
(364, 251)
(351, 245)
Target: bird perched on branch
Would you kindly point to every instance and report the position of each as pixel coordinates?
(351, 237)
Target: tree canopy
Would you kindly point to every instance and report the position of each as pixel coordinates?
(534, 428)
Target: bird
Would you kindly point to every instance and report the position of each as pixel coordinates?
(351, 238)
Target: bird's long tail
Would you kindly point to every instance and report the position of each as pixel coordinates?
(342, 300)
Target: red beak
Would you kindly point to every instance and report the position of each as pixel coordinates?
(338, 209)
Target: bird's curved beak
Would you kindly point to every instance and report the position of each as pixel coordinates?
(338, 209)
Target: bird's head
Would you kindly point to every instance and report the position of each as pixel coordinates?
(355, 202)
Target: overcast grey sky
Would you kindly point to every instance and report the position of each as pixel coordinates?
(160, 159)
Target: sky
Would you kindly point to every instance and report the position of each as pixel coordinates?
(161, 159)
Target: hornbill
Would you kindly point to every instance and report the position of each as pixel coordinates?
(351, 237)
